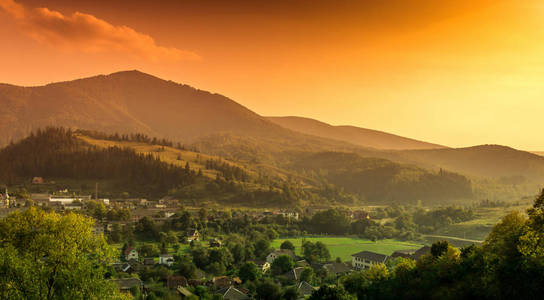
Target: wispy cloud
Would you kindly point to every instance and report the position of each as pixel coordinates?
(85, 32)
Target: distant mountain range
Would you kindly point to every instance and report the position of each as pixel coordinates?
(351, 134)
(135, 102)
(492, 161)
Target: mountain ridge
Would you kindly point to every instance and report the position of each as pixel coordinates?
(356, 135)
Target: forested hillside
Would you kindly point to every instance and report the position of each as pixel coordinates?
(379, 180)
(143, 166)
(55, 153)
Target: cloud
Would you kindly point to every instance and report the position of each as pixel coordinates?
(85, 32)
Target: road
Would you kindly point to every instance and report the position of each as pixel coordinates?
(453, 238)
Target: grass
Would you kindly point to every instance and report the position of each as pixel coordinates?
(479, 227)
(344, 247)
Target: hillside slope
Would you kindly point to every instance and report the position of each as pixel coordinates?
(356, 135)
(492, 161)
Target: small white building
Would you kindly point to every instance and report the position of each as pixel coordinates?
(166, 259)
(68, 199)
(131, 253)
(365, 259)
(277, 253)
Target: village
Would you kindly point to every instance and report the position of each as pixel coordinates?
(125, 223)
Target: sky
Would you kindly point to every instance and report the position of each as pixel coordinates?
(457, 73)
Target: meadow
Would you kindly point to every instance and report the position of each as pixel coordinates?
(344, 247)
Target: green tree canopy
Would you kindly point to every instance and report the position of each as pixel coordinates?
(282, 264)
(50, 256)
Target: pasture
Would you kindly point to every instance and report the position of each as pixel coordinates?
(344, 247)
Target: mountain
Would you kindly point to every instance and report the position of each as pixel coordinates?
(493, 161)
(126, 102)
(540, 153)
(359, 136)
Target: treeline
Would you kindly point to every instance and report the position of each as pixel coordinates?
(228, 171)
(56, 153)
(428, 221)
(133, 137)
(379, 180)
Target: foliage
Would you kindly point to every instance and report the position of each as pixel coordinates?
(249, 272)
(268, 290)
(287, 245)
(282, 264)
(51, 256)
(326, 292)
(315, 252)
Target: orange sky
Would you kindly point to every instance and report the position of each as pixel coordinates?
(457, 73)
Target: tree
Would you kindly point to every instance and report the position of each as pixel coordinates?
(307, 275)
(185, 266)
(282, 264)
(262, 248)
(315, 252)
(287, 245)
(49, 256)
(326, 292)
(290, 293)
(268, 290)
(249, 272)
(330, 221)
(439, 248)
(148, 250)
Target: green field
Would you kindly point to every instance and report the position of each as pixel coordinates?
(344, 247)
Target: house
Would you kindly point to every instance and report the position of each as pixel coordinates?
(294, 274)
(76, 205)
(123, 267)
(183, 292)
(420, 252)
(220, 282)
(195, 282)
(173, 281)
(337, 268)
(236, 280)
(402, 253)
(215, 243)
(37, 180)
(98, 229)
(264, 266)
(166, 259)
(125, 284)
(360, 215)
(365, 259)
(131, 253)
(305, 289)
(68, 199)
(149, 261)
(302, 263)
(289, 215)
(136, 265)
(232, 293)
(277, 253)
(192, 235)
